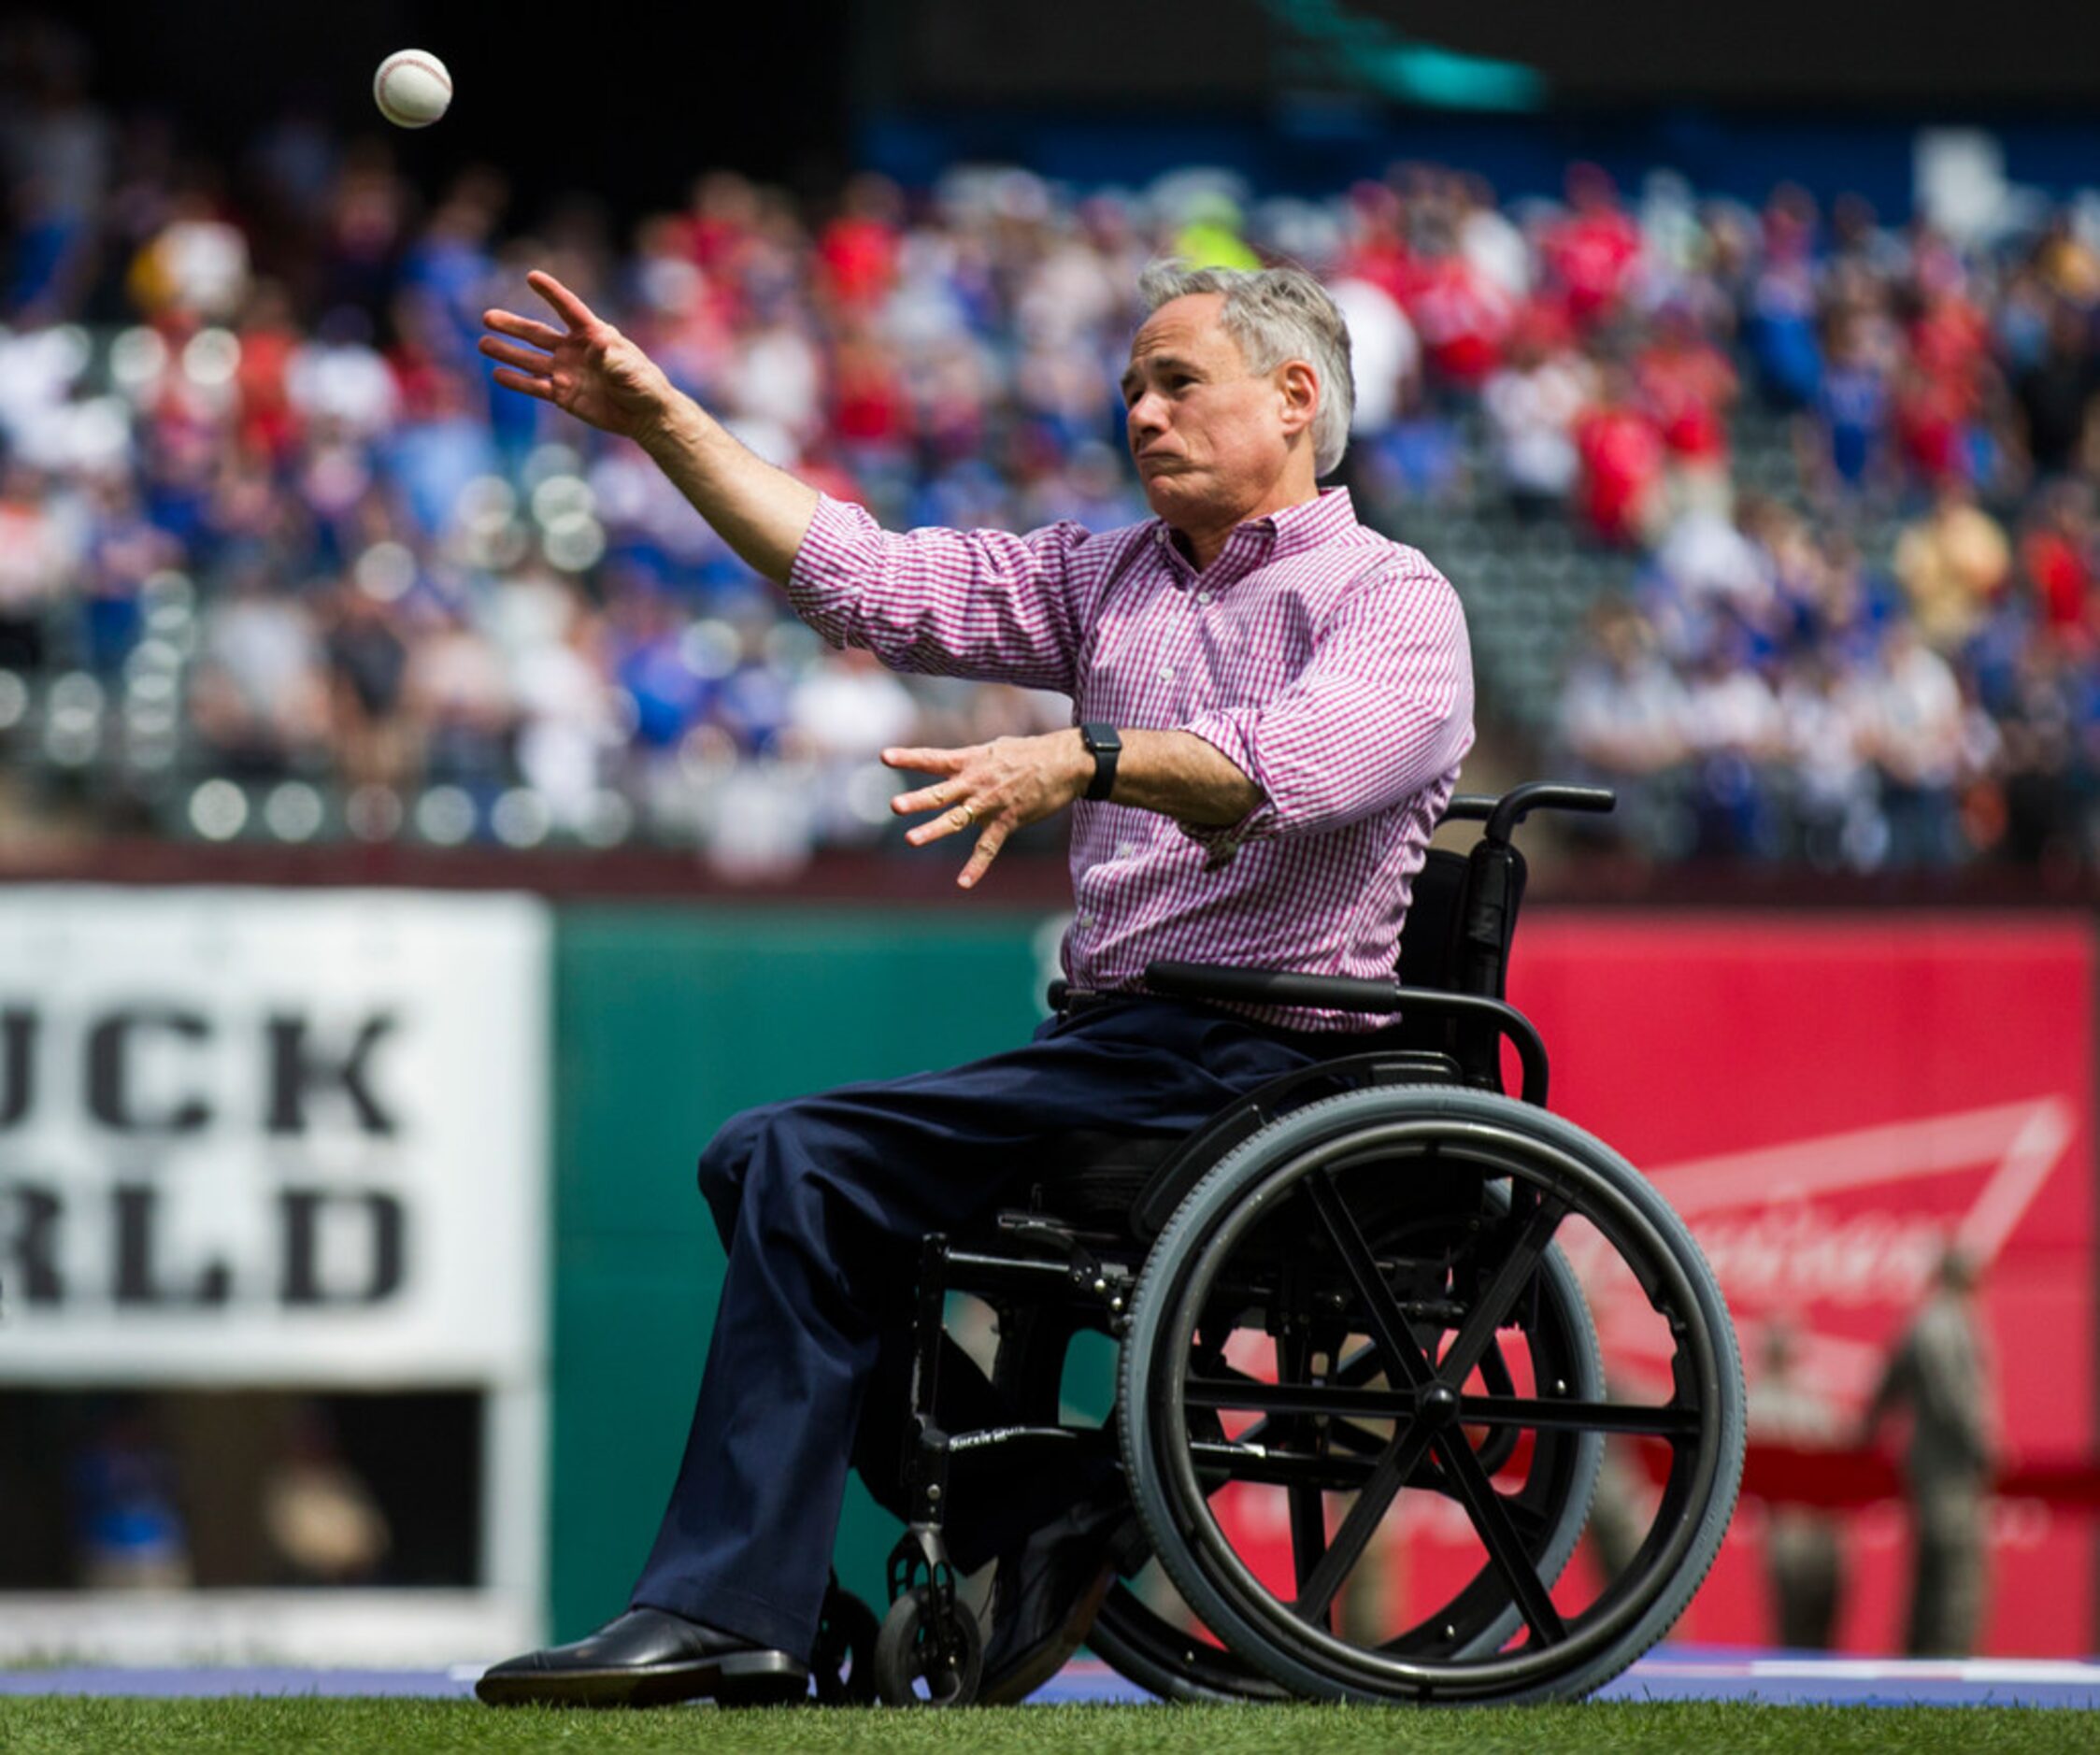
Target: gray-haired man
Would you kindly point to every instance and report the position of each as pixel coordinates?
(1270, 703)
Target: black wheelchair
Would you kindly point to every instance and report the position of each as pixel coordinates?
(1349, 1324)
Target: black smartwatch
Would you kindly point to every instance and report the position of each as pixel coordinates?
(1105, 744)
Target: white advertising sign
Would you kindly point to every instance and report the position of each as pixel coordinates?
(269, 1136)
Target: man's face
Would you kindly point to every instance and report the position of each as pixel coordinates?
(1208, 437)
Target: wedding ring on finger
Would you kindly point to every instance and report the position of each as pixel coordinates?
(965, 815)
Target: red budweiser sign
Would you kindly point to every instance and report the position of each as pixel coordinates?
(1828, 1103)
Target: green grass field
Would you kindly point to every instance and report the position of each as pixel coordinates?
(46, 1725)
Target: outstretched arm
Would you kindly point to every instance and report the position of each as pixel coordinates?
(589, 369)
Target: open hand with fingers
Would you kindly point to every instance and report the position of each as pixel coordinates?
(588, 368)
(995, 788)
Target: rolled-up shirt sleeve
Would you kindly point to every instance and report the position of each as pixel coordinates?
(1383, 709)
(980, 603)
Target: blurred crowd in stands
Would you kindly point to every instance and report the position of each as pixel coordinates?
(1891, 660)
(277, 560)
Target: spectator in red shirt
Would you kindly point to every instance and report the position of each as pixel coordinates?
(270, 427)
(1949, 338)
(1940, 391)
(1930, 417)
(1622, 456)
(724, 219)
(1377, 252)
(858, 250)
(1462, 316)
(1594, 253)
(1688, 386)
(869, 407)
(2057, 554)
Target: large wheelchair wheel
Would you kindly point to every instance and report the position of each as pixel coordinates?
(1551, 1338)
(1345, 1338)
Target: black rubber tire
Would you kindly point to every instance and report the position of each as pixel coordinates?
(904, 1655)
(1502, 1137)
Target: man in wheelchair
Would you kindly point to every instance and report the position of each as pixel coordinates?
(1270, 706)
(1273, 702)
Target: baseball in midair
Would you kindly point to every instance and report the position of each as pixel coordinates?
(412, 88)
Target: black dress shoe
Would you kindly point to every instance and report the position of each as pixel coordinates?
(1046, 1595)
(647, 1658)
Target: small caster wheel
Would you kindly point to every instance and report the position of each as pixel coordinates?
(843, 1665)
(912, 1668)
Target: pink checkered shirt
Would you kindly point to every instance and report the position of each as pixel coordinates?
(1326, 662)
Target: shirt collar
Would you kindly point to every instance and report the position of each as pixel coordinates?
(1272, 537)
(1311, 522)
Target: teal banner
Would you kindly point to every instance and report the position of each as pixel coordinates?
(667, 1020)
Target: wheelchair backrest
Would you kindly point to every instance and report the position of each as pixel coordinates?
(1429, 955)
(1462, 916)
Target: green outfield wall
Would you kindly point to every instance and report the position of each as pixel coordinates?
(667, 1020)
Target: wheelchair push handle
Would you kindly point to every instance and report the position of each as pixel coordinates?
(1502, 815)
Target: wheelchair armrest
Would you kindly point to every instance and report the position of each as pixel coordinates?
(1341, 992)
(1272, 987)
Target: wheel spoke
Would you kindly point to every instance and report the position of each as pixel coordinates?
(1403, 1355)
(1499, 1535)
(1286, 1468)
(1308, 1504)
(1316, 1595)
(1298, 1398)
(1679, 1425)
(1471, 1343)
(1218, 1386)
(1539, 1413)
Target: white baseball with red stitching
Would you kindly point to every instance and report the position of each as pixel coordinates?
(412, 88)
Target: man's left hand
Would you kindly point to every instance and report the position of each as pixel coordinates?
(994, 788)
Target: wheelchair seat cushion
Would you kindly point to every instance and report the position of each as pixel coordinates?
(1093, 1178)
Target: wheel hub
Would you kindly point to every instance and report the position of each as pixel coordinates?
(1437, 1406)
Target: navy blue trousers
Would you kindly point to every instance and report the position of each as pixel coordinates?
(821, 1203)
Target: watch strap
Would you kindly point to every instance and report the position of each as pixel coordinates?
(1105, 744)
